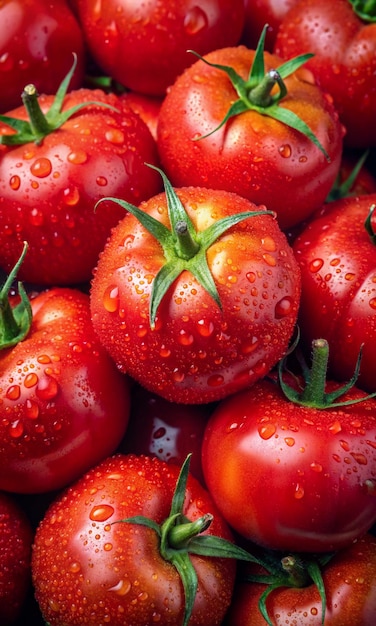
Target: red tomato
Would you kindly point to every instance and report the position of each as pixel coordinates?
(48, 188)
(143, 45)
(16, 537)
(37, 40)
(165, 429)
(64, 405)
(87, 568)
(252, 154)
(289, 476)
(198, 349)
(147, 108)
(337, 257)
(344, 61)
(260, 12)
(349, 581)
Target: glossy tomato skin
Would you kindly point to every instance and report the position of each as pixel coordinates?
(98, 570)
(64, 406)
(344, 61)
(143, 45)
(165, 429)
(252, 154)
(48, 191)
(261, 12)
(349, 581)
(37, 42)
(16, 536)
(338, 262)
(198, 353)
(290, 477)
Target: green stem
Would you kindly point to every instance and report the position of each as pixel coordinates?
(38, 121)
(180, 535)
(260, 95)
(186, 247)
(365, 9)
(15, 321)
(297, 573)
(314, 391)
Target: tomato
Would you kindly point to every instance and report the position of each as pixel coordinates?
(165, 429)
(195, 316)
(16, 537)
(50, 182)
(260, 12)
(253, 153)
(344, 61)
(144, 45)
(289, 475)
(37, 39)
(64, 405)
(337, 257)
(90, 567)
(147, 108)
(349, 581)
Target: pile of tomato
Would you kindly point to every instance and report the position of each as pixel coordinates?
(187, 313)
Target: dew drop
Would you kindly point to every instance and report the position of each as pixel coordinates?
(313, 611)
(344, 445)
(115, 136)
(267, 430)
(215, 380)
(111, 298)
(285, 151)
(269, 259)
(316, 265)
(107, 547)
(195, 20)
(185, 339)
(283, 308)
(359, 458)
(370, 487)
(13, 392)
(16, 429)
(31, 409)
(101, 512)
(269, 244)
(316, 467)
(250, 346)
(299, 492)
(101, 181)
(178, 376)
(36, 217)
(31, 380)
(160, 432)
(77, 157)
(164, 352)
(251, 277)
(335, 427)
(205, 328)
(74, 567)
(71, 196)
(47, 388)
(372, 303)
(289, 441)
(121, 588)
(41, 167)
(15, 182)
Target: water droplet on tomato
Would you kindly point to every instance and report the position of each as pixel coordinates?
(164, 352)
(16, 429)
(101, 512)
(285, 151)
(185, 338)
(31, 409)
(251, 277)
(115, 136)
(370, 487)
(41, 167)
(47, 388)
(107, 547)
(101, 181)
(74, 567)
(195, 20)
(316, 467)
(250, 346)
(269, 259)
(13, 392)
(215, 380)
(345, 445)
(15, 182)
(316, 265)
(178, 376)
(77, 157)
(205, 328)
(36, 217)
(299, 492)
(71, 196)
(111, 298)
(121, 588)
(30, 380)
(267, 430)
(290, 441)
(284, 307)
(359, 458)
(335, 427)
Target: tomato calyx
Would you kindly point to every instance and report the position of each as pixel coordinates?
(365, 9)
(15, 321)
(342, 189)
(293, 570)
(255, 93)
(313, 392)
(42, 124)
(179, 537)
(184, 248)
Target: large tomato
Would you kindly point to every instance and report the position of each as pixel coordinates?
(37, 40)
(63, 404)
(205, 310)
(294, 474)
(90, 567)
(343, 39)
(143, 45)
(255, 152)
(53, 172)
(337, 257)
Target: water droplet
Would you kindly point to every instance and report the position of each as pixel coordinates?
(71, 196)
(15, 182)
(268, 244)
(205, 328)
(185, 338)
(111, 298)
(74, 567)
(101, 512)
(121, 588)
(107, 547)
(370, 487)
(13, 392)
(101, 181)
(195, 20)
(16, 429)
(285, 151)
(284, 307)
(77, 157)
(316, 467)
(31, 409)
(313, 611)
(359, 458)
(372, 303)
(215, 380)
(316, 265)
(178, 376)
(335, 427)
(345, 445)
(30, 380)
(299, 492)
(251, 277)
(41, 167)
(267, 430)
(290, 441)
(164, 352)
(44, 359)
(47, 388)
(250, 346)
(36, 217)
(269, 259)
(115, 136)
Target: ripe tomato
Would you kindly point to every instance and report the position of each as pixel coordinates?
(143, 45)
(16, 537)
(344, 61)
(337, 257)
(49, 185)
(229, 303)
(253, 153)
(90, 567)
(290, 476)
(260, 12)
(37, 39)
(349, 581)
(64, 405)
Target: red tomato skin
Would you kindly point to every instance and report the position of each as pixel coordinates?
(144, 45)
(344, 62)
(349, 581)
(261, 12)
(338, 263)
(313, 465)
(16, 536)
(64, 406)
(37, 42)
(55, 185)
(252, 154)
(100, 570)
(198, 353)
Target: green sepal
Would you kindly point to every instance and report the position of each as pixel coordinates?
(42, 124)
(365, 9)
(342, 190)
(182, 252)
(15, 321)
